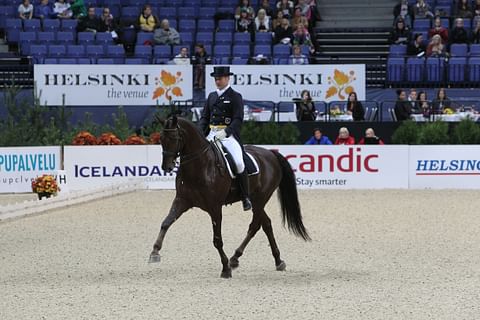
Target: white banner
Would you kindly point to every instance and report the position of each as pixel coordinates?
(445, 167)
(348, 167)
(112, 85)
(20, 165)
(96, 166)
(285, 82)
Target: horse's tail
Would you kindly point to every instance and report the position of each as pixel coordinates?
(288, 197)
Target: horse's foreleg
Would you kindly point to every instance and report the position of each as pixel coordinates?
(267, 228)
(252, 230)
(218, 243)
(178, 207)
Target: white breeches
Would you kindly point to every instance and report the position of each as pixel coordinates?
(233, 147)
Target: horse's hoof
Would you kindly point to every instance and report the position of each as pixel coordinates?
(281, 266)
(234, 263)
(154, 258)
(226, 274)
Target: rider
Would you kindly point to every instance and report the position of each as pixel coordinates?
(222, 119)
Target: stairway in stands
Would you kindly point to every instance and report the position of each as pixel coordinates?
(353, 31)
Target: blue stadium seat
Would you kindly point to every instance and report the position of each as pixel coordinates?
(75, 51)
(95, 51)
(162, 54)
(395, 69)
(143, 52)
(67, 61)
(144, 37)
(241, 51)
(32, 25)
(174, 3)
(46, 37)
(205, 37)
(169, 13)
(65, 37)
(435, 68)
(14, 27)
(187, 38)
(421, 24)
(188, 25)
(263, 38)
(84, 61)
(50, 61)
(69, 25)
(38, 52)
(226, 25)
(222, 50)
(239, 61)
(223, 38)
(206, 13)
(6, 12)
(456, 69)
(57, 51)
(262, 49)
(136, 3)
(459, 50)
(26, 39)
(398, 50)
(133, 61)
(86, 38)
(185, 13)
(415, 69)
(117, 53)
(205, 25)
(241, 38)
(209, 3)
(105, 61)
(474, 69)
(103, 38)
(130, 12)
(281, 51)
(51, 25)
(474, 50)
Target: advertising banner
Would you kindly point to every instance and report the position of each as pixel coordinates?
(348, 167)
(444, 167)
(20, 165)
(112, 85)
(285, 82)
(95, 166)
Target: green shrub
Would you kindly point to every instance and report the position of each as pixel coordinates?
(434, 133)
(466, 132)
(269, 133)
(407, 133)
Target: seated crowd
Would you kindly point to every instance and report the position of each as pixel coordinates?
(344, 138)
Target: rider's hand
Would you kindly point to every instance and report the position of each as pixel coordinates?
(220, 135)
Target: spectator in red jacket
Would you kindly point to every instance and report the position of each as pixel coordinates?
(438, 29)
(370, 138)
(344, 137)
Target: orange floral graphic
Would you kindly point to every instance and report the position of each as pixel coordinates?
(340, 84)
(167, 84)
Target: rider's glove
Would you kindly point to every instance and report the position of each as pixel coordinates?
(220, 135)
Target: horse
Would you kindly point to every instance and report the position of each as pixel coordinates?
(203, 182)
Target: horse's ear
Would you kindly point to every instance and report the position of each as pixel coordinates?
(174, 120)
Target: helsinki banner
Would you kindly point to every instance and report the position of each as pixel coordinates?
(285, 82)
(112, 85)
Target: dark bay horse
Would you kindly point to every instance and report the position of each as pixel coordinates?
(203, 182)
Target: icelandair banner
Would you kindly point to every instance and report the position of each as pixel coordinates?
(445, 167)
(112, 85)
(285, 82)
(96, 166)
(20, 165)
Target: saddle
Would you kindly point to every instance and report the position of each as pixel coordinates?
(251, 164)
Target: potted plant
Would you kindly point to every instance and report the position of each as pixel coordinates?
(45, 186)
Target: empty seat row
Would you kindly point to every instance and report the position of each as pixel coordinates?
(41, 51)
(90, 61)
(456, 50)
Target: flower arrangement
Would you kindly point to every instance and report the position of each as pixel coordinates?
(84, 138)
(45, 186)
(108, 138)
(335, 111)
(134, 139)
(154, 138)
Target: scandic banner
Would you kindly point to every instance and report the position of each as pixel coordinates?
(285, 82)
(112, 85)
(20, 165)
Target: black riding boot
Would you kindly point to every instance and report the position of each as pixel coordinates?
(244, 190)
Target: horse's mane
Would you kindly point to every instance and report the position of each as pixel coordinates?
(184, 124)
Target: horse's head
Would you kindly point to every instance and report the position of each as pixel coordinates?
(171, 143)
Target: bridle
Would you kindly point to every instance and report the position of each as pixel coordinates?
(179, 144)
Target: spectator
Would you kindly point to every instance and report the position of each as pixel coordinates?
(297, 57)
(278, 20)
(422, 104)
(265, 5)
(459, 33)
(463, 9)
(90, 23)
(305, 108)
(165, 34)
(476, 8)
(147, 22)
(403, 11)
(305, 9)
(62, 10)
(416, 48)
(355, 107)
(400, 34)
(370, 138)
(403, 108)
(43, 10)
(318, 138)
(262, 21)
(283, 33)
(412, 98)
(25, 10)
(438, 29)
(301, 37)
(298, 18)
(182, 58)
(286, 7)
(244, 23)
(441, 102)
(78, 9)
(422, 10)
(435, 47)
(344, 137)
(199, 60)
(108, 24)
(244, 5)
(476, 32)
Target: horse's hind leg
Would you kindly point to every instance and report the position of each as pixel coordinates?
(267, 228)
(178, 207)
(252, 230)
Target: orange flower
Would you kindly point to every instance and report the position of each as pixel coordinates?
(108, 138)
(84, 138)
(45, 184)
(155, 138)
(134, 139)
